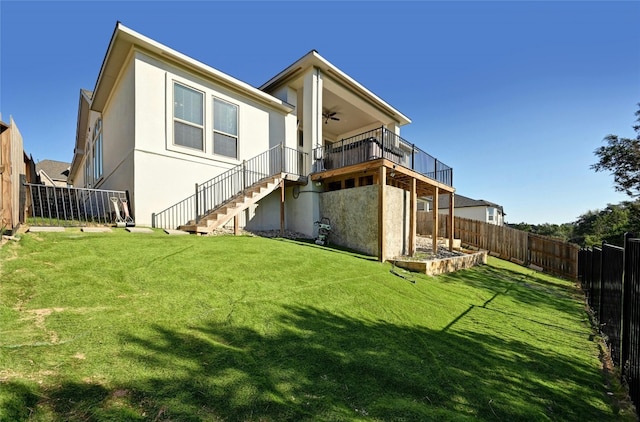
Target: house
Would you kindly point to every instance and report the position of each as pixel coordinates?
(16, 168)
(52, 172)
(474, 209)
(196, 148)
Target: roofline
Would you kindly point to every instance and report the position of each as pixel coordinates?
(314, 59)
(81, 130)
(123, 35)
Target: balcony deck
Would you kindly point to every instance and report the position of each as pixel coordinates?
(381, 144)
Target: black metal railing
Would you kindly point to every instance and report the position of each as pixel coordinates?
(67, 206)
(381, 143)
(217, 191)
(610, 277)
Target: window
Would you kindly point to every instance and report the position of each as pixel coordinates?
(188, 120)
(491, 214)
(97, 150)
(225, 128)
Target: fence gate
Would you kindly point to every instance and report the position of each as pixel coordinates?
(66, 206)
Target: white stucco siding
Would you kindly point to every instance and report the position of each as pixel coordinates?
(118, 122)
(166, 173)
(259, 125)
(472, 213)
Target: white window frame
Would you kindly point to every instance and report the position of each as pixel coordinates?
(96, 152)
(214, 131)
(175, 119)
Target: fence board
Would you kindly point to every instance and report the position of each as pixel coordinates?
(553, 255)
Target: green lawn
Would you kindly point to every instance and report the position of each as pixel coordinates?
(122, 326)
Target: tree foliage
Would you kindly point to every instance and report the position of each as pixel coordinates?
(593, 227)
(621, 156)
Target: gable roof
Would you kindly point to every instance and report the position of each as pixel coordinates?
(460, 201)
(314, 59)
(54, 170)
(124, 40)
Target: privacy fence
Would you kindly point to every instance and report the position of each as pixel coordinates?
(610, 278)
(552, 255)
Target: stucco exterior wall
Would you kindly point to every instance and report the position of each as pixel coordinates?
(118, 123)
(166, 173)
(477, 213)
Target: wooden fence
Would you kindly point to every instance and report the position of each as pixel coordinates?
(552, 255)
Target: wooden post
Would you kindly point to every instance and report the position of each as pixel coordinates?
(412, 218)
(382, 181)
(282, 208)
(434, 233)
(450, 226)
(236, 225)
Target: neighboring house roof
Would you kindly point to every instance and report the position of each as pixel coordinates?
(54, 170)
(460, 201)
(314, 59)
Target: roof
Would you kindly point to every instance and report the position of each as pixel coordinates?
(55, 170)
(460, 201)
(124, 40)
(314, 59)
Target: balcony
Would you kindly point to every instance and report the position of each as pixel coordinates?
(377, 144)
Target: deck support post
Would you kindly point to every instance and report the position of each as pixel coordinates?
(382, 181)
(236, 225)
(450, 226)
(434, 234)
(282, 208)
(412, 218)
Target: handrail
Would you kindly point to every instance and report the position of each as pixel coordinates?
(216, 191)
(382, 143)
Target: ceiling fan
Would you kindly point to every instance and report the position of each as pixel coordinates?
(329, 116)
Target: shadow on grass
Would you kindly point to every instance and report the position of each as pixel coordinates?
(324, 366)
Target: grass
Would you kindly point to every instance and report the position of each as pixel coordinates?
(124, 326)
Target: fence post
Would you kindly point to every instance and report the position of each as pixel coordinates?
(282, 158)
(413, 154)
(244, 174)
(626, 307)
(196, 205)
(153, 220)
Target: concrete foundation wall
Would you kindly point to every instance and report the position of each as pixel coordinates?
(354, 219)
(397, 204)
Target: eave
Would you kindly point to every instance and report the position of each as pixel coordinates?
(313, 59)
(125, 39)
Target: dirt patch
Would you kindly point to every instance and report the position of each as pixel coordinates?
(38, 316)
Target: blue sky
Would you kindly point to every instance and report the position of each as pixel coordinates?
(515, 96)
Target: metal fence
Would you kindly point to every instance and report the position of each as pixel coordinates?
(217, 191)
(610, 278)
(382, 143)
(67, 206)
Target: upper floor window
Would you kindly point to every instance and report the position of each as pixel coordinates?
(97, 150)
(188, 117)
(492, 212)
(225, 128)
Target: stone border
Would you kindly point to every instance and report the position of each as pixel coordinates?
(443, 265)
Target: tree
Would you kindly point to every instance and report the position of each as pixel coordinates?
(621, 156)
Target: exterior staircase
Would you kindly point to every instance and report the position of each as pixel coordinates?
(219, 216)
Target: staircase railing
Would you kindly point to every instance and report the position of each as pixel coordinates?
(217, 191)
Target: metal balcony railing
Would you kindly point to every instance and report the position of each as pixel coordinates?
(381, 143)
